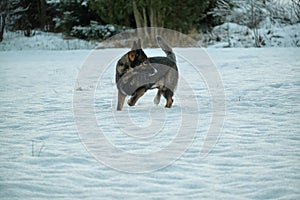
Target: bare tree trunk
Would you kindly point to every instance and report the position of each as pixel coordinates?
(141, 20)
(147, 37)
(43, 14)
(153, 22)
(145, 23)
(2, 26)
(153, 17)
(138, 19)
(137, 15)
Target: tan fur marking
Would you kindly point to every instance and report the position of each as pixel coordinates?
(131, 56)
(169, 103)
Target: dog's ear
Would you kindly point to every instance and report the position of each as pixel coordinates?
(131, 56)
(139, 46)
(134, 46)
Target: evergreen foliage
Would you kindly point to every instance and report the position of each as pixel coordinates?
(182, 16)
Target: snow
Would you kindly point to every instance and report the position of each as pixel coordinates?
(42, 41)
(256, 155)
(241, 36)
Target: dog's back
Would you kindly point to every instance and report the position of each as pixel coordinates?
(168, 70)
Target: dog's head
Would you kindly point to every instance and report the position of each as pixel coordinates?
(135, 57)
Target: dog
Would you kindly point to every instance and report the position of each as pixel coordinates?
(136, 73)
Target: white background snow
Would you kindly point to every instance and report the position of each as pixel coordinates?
(256, 157)
(257, 154)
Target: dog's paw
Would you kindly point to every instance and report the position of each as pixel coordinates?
(169, 103)
(130, 102)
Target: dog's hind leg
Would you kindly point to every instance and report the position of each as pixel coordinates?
(121, 99)
(156, 99)
(168, 94)
(137, 94)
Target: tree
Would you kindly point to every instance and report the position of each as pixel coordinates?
(2, 26)
(3, 14)
(42, 9)
(296, 9)
(182, 16)
(24, 15)
(223, 10)
(12, 15)
(117, 12)
(70, 13)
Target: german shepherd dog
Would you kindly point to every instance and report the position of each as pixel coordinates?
(136, 73)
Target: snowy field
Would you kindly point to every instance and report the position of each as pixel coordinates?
(41, 41)
(257, 155)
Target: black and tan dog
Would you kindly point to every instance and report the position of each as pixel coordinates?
(136, 73)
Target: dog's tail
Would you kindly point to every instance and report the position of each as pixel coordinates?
(166, 48)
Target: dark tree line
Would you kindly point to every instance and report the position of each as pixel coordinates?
(64, 15)
(45, 15)
(182, 16)
(23, 15)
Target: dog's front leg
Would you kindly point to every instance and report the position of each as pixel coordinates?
(137, 94)
(121, 99)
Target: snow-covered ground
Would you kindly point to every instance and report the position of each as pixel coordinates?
(234, 35)
(256, 156)
(270, 35)
(42, 41)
